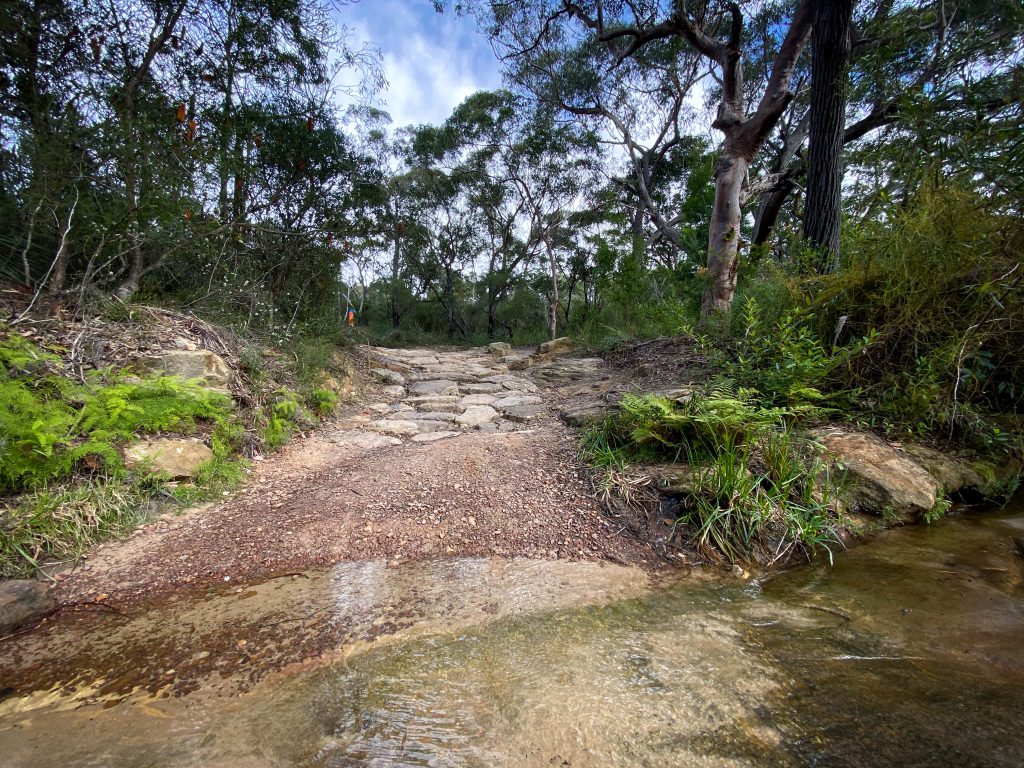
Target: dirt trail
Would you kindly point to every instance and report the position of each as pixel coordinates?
(449, 455)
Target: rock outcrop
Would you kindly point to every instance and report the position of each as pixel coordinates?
(177, 458)
(199, 364)
(880, 480)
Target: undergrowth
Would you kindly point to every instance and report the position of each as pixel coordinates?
(756, 493)
(62, 474)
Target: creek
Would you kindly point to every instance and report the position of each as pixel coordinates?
(908, 650)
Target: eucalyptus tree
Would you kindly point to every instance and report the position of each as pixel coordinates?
(715, 33)
(930, 83)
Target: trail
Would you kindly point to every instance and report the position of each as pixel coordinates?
(456, 455)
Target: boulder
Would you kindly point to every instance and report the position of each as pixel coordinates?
(435, 387)
(499, 349)
(430, 416)
(393, 390)
(879, 479)
(192, 364)
(21, 601)
(554, 346)
(953, 475)
(177, 457)
(387, 376)
(476, 415)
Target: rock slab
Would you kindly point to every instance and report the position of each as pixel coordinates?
(192, 364)
(176, 457)
(21, 601)
(879, 479)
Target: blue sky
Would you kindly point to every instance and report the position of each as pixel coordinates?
(432, 61)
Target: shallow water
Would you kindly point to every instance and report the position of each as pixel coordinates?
(908, 651)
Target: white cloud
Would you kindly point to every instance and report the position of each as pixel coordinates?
(432, 61)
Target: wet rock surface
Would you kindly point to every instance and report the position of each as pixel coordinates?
(22, 601)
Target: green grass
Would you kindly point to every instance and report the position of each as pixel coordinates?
(758, 493)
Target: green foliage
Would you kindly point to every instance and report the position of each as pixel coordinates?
(322, 402)
(785, 360)
(51, 427)
(756, 494)
(283, 416)
(939, 509)
(63, 522)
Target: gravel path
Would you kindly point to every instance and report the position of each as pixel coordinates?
(452, 455)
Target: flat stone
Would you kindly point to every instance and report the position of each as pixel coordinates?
(393, 390)
(436, 387)
(388, 377)
(481, 389)
(555, 345)
(394, 426)
(192, 364)
(431, 416)
(174, 457)
(516, 400)
(366, 440)
(487, 427)
(420, 399)
(380, 407)
(512, 382)
(21, 601)
(477, 414)
(480, 399)
(430, 437)
(879, 479)
(431, 426)
(522, 413)
(581, 415)
(521, 363)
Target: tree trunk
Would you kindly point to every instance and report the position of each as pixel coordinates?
(724, 238)
(829, 61)
(553, 309)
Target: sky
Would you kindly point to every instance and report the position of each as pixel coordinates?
(432, 61)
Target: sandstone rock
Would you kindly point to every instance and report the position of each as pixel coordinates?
(428, 425)
(953, 475)
(514, 401)
(421, 399)
(522, 413)
(393, 391)
(380, 407)
(581, 415)
(394, 426)
(430, 437)
(431, 416)
(436, 387)
(481, 389)
(476, 415)
(366, 440)
(499, 349)
(512, 382)
(175, 457)
(521, 363)
(192, 364)
(487, 427)
(388, 377)
(480, 399)
(555, 345)
(21, 601)
(879, 479)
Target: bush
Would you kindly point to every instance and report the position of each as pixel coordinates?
(756, 493)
